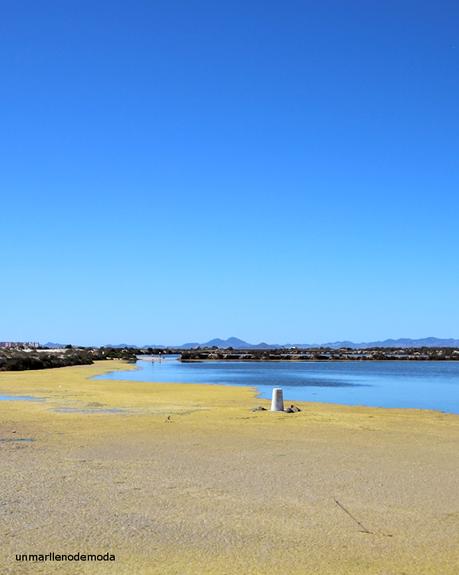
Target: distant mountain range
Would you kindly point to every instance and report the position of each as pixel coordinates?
(230, 342)
(52, 345)
(237, 343)
(124, 345)
(402, 342)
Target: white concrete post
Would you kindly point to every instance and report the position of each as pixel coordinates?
(277, 402)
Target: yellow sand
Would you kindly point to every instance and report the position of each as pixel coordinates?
(186, 480)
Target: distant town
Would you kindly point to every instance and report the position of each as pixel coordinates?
(19, 345)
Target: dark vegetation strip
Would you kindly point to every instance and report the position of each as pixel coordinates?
(21, 359)
(323, 354)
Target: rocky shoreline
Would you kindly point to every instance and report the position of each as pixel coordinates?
(322, 354)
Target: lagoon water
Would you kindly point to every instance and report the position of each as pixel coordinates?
(407, 384)
(19, 398)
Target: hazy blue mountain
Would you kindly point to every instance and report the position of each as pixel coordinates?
(191, 345)
(230, 342)
(402, 342)
(120, 345)
(407, 342)
(264, 345)
(131, 345)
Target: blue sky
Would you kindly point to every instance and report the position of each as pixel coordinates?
(176, 171)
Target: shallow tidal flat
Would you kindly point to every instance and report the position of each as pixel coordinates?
(186, 479)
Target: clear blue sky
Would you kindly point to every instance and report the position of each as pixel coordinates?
(180, 170)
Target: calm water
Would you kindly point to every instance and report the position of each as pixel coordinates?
(423, 385)
(19, 398)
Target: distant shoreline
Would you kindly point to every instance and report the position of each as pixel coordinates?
(17, 359)
(320, 360)
(322, 355)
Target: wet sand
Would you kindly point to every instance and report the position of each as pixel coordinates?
(185, 479)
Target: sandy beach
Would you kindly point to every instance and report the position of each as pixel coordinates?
(186, 479)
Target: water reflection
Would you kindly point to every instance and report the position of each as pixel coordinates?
(416, 384)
